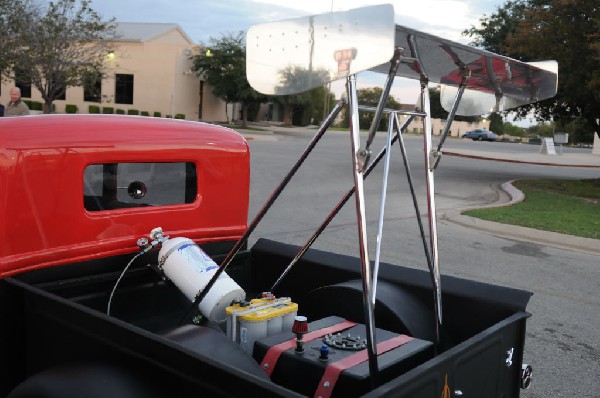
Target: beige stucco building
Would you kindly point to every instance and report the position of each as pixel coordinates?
(148, 70)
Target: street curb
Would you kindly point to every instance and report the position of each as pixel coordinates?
(569, 242)
(257, 132)
(296, 132)
(556, 163)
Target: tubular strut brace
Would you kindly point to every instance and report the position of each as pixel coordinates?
(263, 211)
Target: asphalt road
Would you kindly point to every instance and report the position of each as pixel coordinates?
(563, 343)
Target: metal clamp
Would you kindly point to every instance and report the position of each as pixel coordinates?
(163, 259)
(526, 376)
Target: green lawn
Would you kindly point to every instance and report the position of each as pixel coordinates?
(566, 206)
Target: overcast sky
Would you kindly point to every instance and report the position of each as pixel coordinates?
(203, 19)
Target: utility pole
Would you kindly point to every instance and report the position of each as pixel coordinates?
(327, 87)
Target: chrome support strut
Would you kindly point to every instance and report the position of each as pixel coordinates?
(418, 215)
(384, 185)
(364, 154)
(429, 160)
(342, 202)
(466, 74)
(359, 195)
(431, 209)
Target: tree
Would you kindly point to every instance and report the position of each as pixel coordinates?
(370, 97)
(494, 29)
(307, 107)
(577, 130)
(565, 30)
(496, 123)
(55, 44)
(222, 64)
(542, 130)
(9, 10)
(295, 79)
(321, 103)
(511, 129)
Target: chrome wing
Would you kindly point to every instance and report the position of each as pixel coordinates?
(295, 55)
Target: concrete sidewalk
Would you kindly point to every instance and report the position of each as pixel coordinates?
(548, 238)
(570, 242)
(564, 160)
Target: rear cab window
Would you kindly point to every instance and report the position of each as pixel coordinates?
(110, 186)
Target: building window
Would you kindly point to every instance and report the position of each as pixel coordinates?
(92, 88)
(124, 89)
(62, 95)
(55, 86)
(111, 186)
(23, 81)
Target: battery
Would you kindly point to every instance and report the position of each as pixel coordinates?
(260, 318)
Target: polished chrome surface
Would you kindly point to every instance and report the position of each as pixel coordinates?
(452, 112)
(500, 82)
(454, 106)
(359, 195)
(509, 357)
(401, 127)
(384, 186)
(365, 152)
(295, 55)
(508, 84)
(426, 249)
(419, 66)
(431, 209)
(526, 376)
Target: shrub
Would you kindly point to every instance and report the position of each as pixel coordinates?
(180, 116)
(120, 112)
(70, 108)
(144, 113)
(133, 112)
(168, 116)
(108, 110)
(157, 114)
(37, 106)
(94, 109)
(33, 105)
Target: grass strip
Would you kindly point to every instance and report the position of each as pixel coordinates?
(565, 206)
